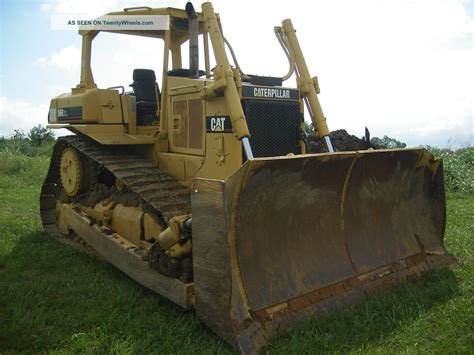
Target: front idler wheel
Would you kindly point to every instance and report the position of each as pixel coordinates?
(71, 172)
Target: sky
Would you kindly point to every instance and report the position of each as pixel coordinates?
(401, 68)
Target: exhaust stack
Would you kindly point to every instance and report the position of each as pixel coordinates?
(193, 41)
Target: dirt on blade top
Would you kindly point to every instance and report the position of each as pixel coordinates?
(341, 141)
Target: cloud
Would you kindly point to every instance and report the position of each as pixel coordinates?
(67, 59)
(20, 115)
(402, 68)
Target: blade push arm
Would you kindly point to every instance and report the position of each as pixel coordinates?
(224, 80)
(306, 84)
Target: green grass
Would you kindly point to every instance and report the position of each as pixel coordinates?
(54, 299)
(458, 168)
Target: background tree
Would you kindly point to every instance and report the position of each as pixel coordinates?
(40, 135)
(387, 142)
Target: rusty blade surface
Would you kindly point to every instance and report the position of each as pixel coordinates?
(294, 234)
(306, 223)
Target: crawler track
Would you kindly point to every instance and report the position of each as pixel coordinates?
(155, 190)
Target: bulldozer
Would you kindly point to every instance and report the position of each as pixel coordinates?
(202, 190)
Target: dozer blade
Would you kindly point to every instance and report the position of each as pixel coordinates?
(290, 236)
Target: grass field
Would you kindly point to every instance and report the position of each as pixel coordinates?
(54, 299)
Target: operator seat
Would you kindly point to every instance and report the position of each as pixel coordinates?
(147, 94)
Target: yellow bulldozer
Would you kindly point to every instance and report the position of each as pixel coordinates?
(203, 191)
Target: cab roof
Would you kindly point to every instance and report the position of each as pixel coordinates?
(178, 22)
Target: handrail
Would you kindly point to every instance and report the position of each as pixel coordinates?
(184, 87)
(127, 9)
(117, 87)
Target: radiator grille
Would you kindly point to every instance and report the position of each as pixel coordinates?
(274, 126)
